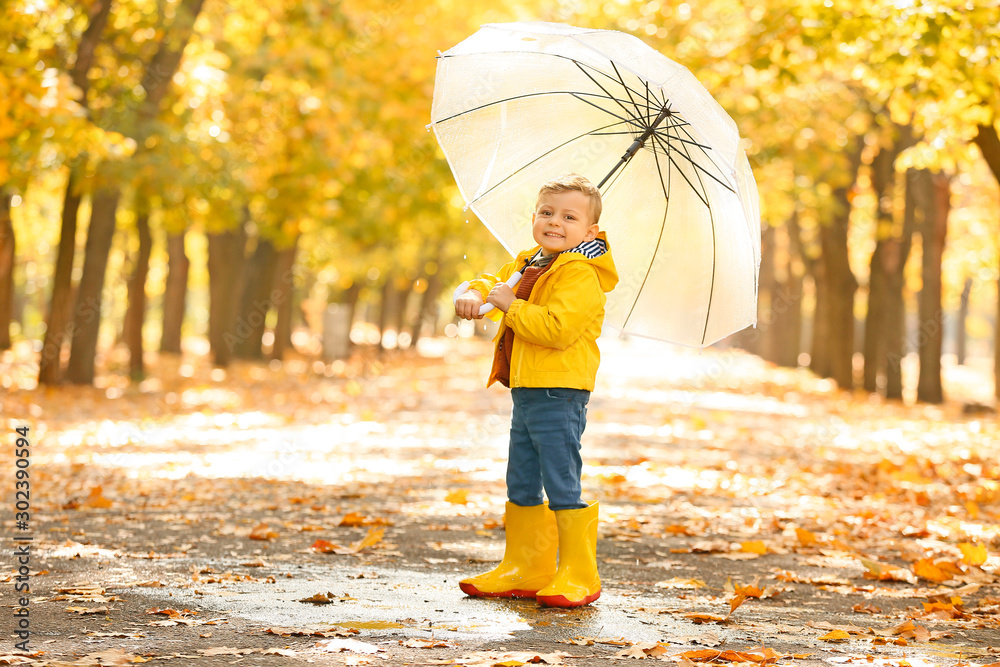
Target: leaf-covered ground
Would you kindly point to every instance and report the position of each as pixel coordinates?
(281, 513)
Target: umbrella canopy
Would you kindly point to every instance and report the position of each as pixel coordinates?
(517, 104)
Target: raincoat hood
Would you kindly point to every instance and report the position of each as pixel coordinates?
(607, 274)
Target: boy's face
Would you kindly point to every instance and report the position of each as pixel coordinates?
(562, 220)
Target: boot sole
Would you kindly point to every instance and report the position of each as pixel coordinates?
(469, 589)
(564, 602)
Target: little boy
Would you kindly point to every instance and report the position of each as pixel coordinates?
(546, 352)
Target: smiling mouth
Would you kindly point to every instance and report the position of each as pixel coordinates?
(553, 235)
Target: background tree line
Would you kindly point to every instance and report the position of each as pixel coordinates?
(200, 165)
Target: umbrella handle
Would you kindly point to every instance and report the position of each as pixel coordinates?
(486, 307)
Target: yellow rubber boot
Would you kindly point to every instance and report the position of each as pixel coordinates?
(529, 558)
(576, 582)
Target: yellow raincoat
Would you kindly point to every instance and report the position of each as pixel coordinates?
(556, 329)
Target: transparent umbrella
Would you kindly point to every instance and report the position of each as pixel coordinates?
(517, 104)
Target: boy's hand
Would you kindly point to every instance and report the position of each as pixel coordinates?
(467, 306)
(501, 296)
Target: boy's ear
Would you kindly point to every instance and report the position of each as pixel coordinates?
(591, 233)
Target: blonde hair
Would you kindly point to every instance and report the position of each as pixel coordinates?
(570, 182)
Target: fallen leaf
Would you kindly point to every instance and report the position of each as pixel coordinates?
(973, 554)
(681, 583)
(83, 611)
(347, 645)
(926, 569)
(704, 618)
(835, 636)
(642, 651)
(417, 642)
(373, 537)
(753, 547)
(172, 613)
(750, 591)
(886, 572)
(226, 650)
(321, 598)
(309, 632)
(12, 659)
(705, 639)
(735, 603)
(457, 497)
(806, 538)
(97, 499)
(262, 532)
(352, 520)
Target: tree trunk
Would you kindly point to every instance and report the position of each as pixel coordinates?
(58, 322)
(933, 233)
(225, 263)
(88, 45)
(819, 351)
(135, 314)
(87, 313)
(762, 340)
(790, 307)
(255, 300)
(284, 295)
(841, 286)
(155, 81)
(989, 144)
(789, 321)
(875, 347)
(426, 318)
(404, 288)
(886, 263)
(348, 300)
(836, 295)
(777, 335)
(875, 324)
(174, 294)
(386, 310)
(7, 255)
(963, 315)
(895, 256)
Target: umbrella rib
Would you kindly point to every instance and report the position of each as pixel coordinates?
(608, 134)
(711, 287)
(574, 93)
(683, 153)
(705, 150)
(605, 90)
(605, 74)
(711, 215)
(600, 108)
(663, 226)
(531, 162)
(702, 197)
(659, 103)
(645, 116)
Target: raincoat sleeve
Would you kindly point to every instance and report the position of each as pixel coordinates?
(567, 313)
(485, 282)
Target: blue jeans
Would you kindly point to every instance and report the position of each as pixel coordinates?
(545, 430)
